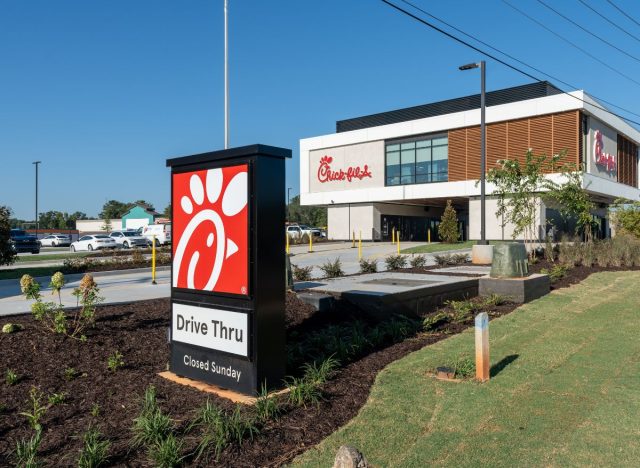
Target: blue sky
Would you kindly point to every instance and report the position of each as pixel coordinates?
(103, 92)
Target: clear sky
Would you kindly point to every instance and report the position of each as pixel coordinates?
(102, 92)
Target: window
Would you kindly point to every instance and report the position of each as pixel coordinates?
(418, 161)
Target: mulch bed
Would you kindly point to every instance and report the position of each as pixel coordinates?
(139, 331)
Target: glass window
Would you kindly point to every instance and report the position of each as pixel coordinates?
(419, 161)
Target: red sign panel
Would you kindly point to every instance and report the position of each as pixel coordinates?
(326, 174)
(606, 160)
(210, 230)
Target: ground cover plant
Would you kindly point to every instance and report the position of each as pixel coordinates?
(552, 363)
(110, 402)
(332, 269)
(395, 262)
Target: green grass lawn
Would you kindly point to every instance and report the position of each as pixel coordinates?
(569, 394)
(438, 247)
(48, 257)
(33, 271)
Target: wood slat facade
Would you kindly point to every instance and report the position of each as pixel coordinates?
(627, 162)
(546, 134)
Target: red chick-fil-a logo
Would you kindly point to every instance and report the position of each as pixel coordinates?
(606, 160)
(325, 174)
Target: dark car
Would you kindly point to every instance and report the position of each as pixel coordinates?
(23, 242)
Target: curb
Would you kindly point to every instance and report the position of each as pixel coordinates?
(96, 274)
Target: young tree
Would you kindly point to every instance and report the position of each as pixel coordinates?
(625, 216)
(310, 215)
(7, 254)
(448, 227)
(517, 187)
(167, 211)
(573, 200)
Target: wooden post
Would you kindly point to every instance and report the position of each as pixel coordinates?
(482, 347)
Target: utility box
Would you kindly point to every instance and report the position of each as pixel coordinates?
(228, 270)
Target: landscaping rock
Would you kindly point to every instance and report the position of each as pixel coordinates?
(509, 261)
(349, 457)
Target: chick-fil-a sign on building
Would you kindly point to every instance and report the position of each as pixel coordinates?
(605, 160)
(327, 174)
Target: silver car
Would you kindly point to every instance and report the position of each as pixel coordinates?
(128, 239)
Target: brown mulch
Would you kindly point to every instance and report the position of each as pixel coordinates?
(139, 331)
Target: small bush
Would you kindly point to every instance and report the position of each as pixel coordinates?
(435, 321)
(151, 426)
(57, 398)
(451, 259)
(494, 300)
(115, 362)
(303, 392)
(70, 373)
(167, 453)
(418, 261)
(556, 273)
(301, 273)
(137, 257)
(320, 374)
(465, 367)
(26, 451)
(448, 227)
(332, 269)
(11, 327)
(266, 406)
(462, 310)
(10, 377)
(368, 266)
(395, 262)
(95, 449)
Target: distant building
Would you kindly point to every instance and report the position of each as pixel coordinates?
(396, 170)
(88, 226)
(139, 216)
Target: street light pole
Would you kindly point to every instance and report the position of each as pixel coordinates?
(226, 77)
(37, 163)
(288, 203)
(483, 147)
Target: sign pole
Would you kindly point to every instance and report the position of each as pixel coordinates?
(482, 347)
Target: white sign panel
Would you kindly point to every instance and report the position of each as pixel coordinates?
(217, 329)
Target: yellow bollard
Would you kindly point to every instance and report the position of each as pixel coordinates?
(429, 236)
(287, 248)
(360, 247)
(310, 243)
(398, 237)
(393, 235)
(153, 261)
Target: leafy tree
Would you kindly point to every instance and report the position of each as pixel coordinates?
(114, 209)
(573, 201)
(167, 211)
(448, 227)
(625, 216)
(59, 219)
(517, 186)
(310, 215)
(7, 254)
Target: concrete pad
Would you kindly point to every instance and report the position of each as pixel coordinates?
(319, 301)
(383, 294)
(479, 270)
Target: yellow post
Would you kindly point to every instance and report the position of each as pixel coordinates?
(393, 235)
(287, 248)
(429, 235)
(360, 246)
(153, 261)
(398, 238)
(310, 243)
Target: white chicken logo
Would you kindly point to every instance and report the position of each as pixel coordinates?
(234, 200)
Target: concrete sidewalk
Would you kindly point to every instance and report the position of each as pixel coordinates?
(115, 286)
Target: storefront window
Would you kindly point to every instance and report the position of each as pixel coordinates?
(419, 161)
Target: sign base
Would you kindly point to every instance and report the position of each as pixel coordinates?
(209, 388)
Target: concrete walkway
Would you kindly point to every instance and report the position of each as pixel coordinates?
(115, 286)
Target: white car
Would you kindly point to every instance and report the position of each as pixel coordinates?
(56, 240)
(128, 239)
(96, 242)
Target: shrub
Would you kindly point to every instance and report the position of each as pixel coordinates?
(368, 266)
(303, 392)
(151, 426)
(266, 406)
(451, 259)
(94, 450)
(167, 453)
(115, 362)
(137, 257)
(53, 316)
(395, 262)
(494, 300)
(7, 255)
(57, 398)
(435, 321)
(556, 273)
(38, 410)
(625, 215)
(448, 227)
(10, 377)
(462, 310)
(301, 273)
(26, 451)
(418, 261)
(320, 374)
(70, 374)
(332, 269)
(11, 327)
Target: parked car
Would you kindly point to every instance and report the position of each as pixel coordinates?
(95, 242)
(128, 239)
(161, 231)
(56, 240)
(23, 242)
(299, 230)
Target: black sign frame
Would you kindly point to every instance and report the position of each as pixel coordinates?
(265, 301)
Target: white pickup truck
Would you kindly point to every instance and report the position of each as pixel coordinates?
(298, 230)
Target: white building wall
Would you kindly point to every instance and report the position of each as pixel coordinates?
(494, 228)
(343, 220)
(96, 225)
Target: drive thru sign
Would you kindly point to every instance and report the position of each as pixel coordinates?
(228, 271)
